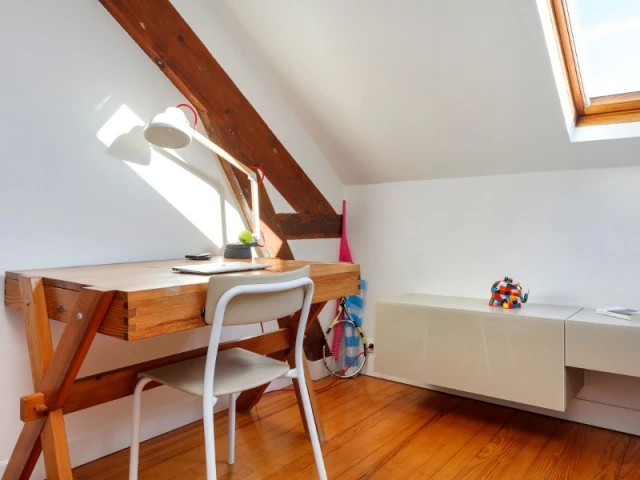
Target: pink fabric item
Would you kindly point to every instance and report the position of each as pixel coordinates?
(345, 256)
(345, 253)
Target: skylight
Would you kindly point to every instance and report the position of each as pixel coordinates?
(600, 42)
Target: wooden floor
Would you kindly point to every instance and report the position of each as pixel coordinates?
(384, 430)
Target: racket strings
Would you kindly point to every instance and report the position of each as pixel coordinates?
(344, 349)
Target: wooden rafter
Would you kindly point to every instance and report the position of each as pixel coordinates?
(297, 226)
(230, 121)
(228, 117)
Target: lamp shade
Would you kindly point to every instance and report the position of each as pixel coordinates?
(169, 129)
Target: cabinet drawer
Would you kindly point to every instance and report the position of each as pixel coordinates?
(603, 347)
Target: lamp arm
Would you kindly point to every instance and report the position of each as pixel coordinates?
(255, 205)
(222, 153)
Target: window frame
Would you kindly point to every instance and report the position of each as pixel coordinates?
(618, 108)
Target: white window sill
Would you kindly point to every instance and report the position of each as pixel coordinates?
(604, 132)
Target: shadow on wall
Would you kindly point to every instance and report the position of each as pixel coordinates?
(190, 190)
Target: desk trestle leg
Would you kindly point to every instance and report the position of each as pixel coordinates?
(54, 373)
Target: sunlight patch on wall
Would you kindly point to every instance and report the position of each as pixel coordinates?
(166, 172)
(235, 224)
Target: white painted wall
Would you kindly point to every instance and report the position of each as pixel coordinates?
(419, 89)
(571, 237)
(73, 80)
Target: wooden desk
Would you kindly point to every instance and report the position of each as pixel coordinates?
(129, 301)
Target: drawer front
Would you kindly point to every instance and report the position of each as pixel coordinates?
(512, 358)
(604, 348)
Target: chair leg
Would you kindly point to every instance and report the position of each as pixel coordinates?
(311, 424)
(209, 437)
(135, 429)
(231, 455)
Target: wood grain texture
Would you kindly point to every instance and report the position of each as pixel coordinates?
(609, 464)
(168, 40)
(36, 322)
(12, 293)
(32, 407)
(501, 450)
(151, 300)
(541, 431)
(59, 375)
(299, 226)
(569, 58)
(228, 117)
(105, 387)
(456, 435)
(73, 346)
(608, 118)
(630, 468)
(614, 103)
(60, 302)
(132, 291)
(383, 430)
(546, 461)
(29, 445)
(26, 452)
(56, 450)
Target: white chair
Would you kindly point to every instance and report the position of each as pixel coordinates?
(237, 300)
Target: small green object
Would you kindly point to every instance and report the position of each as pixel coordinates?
(245, 237)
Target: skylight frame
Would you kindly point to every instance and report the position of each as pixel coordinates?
(618, 108)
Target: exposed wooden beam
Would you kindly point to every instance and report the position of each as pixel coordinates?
(299, 226)
(229, 118)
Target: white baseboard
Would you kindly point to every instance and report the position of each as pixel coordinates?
(612, 417)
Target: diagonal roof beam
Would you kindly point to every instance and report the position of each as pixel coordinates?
(228, 117)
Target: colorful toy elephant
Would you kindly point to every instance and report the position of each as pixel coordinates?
(508, 294)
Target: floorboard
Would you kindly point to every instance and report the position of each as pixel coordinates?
(383, 430)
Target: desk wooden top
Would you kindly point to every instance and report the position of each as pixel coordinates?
(151, 299)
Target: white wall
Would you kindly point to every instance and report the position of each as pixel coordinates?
(571, 237)
(73, 81)
(420, 89)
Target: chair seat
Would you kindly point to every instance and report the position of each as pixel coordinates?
(237, 370)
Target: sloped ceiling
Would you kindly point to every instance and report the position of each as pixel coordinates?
(418, 89)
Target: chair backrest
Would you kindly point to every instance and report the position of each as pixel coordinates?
(250, 308)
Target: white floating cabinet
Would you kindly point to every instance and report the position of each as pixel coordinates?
(464, 344)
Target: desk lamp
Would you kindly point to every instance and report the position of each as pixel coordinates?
(171, 129)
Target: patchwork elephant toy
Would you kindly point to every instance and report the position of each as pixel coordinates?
(508, 294)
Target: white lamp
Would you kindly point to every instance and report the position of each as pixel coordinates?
(171, 129)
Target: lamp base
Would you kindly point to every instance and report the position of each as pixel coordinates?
(238, 250)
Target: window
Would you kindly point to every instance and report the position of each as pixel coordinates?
(600, 45)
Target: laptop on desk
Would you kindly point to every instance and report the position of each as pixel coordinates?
(213, 268)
